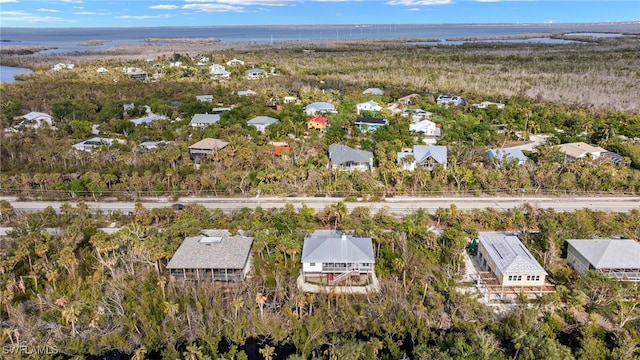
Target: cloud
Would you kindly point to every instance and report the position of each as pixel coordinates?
(8, 1)
(142, 17)
(90, 13)
(488, 0)
(163, 7)
(21, 16)
(78, 7)
(48, 10)
(419, 2)
(413, 9)
(213, 7)
(73, 1)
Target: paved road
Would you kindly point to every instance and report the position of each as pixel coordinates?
(396, 205)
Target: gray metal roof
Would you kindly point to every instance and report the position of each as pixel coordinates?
(506, 154)
(510, 255)
(230, 253)
(423, 152)
(609, 253)
(342, 154)
(329, 246)
(205, 119)
(262, 120)
(320, 105)
(373, 91)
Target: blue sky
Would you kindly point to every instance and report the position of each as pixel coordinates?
(105, 13)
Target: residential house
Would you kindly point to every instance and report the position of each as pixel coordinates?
(204, 120)
(509, 260)
(206, 147)
(61, 66)
(216, 255)
(319, 108)
(425, 156)
(203, 61)
(151, 117)
(177, 64)
(342, 157)
(426, 127)
(373, 91)
(578, 150)
(235, 62)
(330, 258)
(36, 120)
(280, 147)
(318, 123)
(447, 100)
(261, 122)
(509, 155)
(255, 73)
(367, 124)
(149, 145)
(135, 73)
(219, 71)
(102, 70)
(290, 99)
(219, 110)
(616, 258)
(487, 104)
(95, 143)
(246, 92)
(408, 100)
(368, 106)
(204, 98)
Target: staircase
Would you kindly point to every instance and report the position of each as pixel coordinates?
(343, 276)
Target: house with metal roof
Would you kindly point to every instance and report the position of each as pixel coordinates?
(509, 155)
(95, 143)
(616, 258)
(319, 107)
(204, 98)
(330, 258)
(368, 106)
(261, 122)
(509, 260)
(216, 255)
(373, 91)
(426, 156)
(204, 120)
(247, 92)
(36, 120)
(342, 157)
(367, 124)
(446, 100)
(206, 147)
(255, 73)
(578, 150)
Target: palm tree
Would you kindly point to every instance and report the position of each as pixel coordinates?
(267, 352)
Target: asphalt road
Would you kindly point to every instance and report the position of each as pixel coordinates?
(396, 205)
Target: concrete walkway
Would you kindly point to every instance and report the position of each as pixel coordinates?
(374, 287)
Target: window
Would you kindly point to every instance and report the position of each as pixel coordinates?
(510, 278)
(312, 264)
(537, 277)
(519, 277)
(528, 277)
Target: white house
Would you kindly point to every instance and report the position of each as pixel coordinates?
(95, 143)
(204, 98)
(102, 70)
(219, 71)
(368, 106)
(319, 107)
(373, 91)
(426, 127)
(329, 258)
(247, 92)
(426, 156)
(36, 120)
(261, 122)
(255, 73)
(487, 104)
(235, 62)
(447, 100)
(579, 150)
(204, 120)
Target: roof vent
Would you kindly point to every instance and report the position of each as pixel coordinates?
(210, 240)
(343, 237)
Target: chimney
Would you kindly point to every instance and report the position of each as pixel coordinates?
(344, 237)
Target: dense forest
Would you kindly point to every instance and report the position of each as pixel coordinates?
(69, 287)
(84, 292)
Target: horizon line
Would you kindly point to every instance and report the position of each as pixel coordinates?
(336, 24)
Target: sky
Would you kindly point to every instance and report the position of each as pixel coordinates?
(107, 13)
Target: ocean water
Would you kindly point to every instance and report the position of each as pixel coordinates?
(68, 39)
(8, 73)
